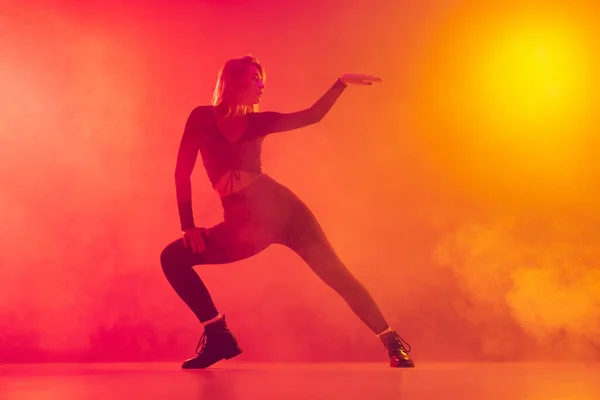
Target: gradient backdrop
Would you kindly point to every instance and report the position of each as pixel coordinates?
(463, 190)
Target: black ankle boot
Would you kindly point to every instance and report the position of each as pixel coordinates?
(216, 343)
(399, 357)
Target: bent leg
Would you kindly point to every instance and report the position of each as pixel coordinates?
(225, 243)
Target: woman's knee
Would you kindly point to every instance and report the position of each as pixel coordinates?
(173, 256)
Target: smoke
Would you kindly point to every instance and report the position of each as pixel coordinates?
(527, 282)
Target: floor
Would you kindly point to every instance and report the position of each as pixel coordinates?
(238, 380)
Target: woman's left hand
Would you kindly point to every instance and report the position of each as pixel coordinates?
(359, 79)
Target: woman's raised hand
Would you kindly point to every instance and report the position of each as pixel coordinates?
(359, 79)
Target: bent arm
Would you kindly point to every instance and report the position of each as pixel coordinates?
(272, 122)
(186, 160)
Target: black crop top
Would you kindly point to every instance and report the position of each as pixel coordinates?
(219, 155)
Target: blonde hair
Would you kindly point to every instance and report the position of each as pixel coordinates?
(228, 84)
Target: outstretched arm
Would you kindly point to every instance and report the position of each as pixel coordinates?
(186, 160)
(265, 123)
(271, 122)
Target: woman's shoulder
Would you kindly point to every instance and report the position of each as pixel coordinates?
(202, 115)
(203, 111)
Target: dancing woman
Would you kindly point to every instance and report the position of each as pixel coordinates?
(258, 211)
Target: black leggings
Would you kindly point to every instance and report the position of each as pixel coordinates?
(264, 213)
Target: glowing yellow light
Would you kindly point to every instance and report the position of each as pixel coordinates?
(508, 99)
(530, 96)
(533, 75)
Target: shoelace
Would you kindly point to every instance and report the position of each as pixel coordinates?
(401, 342)
(201, 343)
(203, 340)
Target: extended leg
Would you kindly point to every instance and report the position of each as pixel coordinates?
(316, 251)
(305, 236)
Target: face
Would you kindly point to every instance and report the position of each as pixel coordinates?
(251, 87)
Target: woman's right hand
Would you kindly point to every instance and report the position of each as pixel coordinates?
(193, 238)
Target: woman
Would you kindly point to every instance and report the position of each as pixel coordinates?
(258, 211)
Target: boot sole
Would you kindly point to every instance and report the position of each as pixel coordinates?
(228, 356)
(402, 365)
